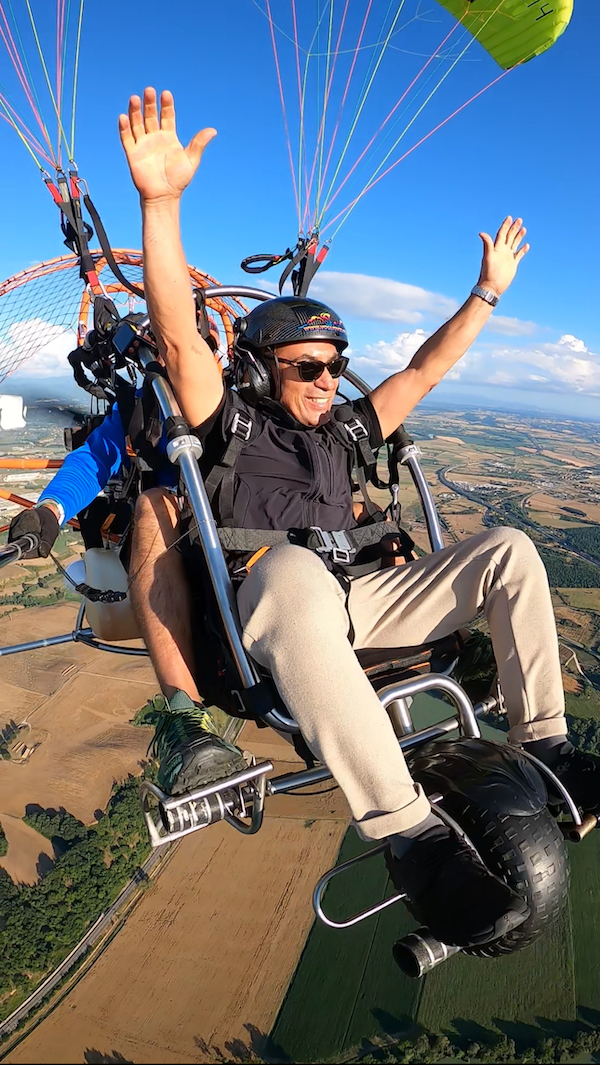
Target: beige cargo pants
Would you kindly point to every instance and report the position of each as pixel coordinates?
(296, 622)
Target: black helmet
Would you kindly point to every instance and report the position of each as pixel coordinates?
(285, 320)
(288, 320)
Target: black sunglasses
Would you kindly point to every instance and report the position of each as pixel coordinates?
(311, 369)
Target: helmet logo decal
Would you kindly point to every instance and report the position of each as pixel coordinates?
(322, 320)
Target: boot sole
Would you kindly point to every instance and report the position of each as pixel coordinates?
(505, 924)
(204, 779)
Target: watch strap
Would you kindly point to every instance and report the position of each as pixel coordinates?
(485, 294)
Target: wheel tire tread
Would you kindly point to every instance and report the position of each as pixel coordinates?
(529, 854)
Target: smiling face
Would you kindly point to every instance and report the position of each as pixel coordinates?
(307, 401)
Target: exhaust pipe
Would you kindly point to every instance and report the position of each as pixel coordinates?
(575, 833)
(419, 953)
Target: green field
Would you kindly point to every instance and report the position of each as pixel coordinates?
(346, 987)
(346, 990)
(585, 885)
(505, 995)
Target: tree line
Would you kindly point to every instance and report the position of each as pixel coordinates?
(439, 1048)
(40, 923)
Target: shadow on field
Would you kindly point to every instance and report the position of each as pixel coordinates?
(96, 1057)
(392, 1025)
(468, 1031)
(526, 1035)
(260, 1047)
(590, 1016)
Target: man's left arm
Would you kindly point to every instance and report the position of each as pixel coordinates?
(394, 399)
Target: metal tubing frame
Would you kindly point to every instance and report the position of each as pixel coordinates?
(323, 882)
(305, 777)
(408, 457)
(185, 455)
(399, 714)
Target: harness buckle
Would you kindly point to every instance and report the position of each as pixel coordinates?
(356, 430)
(241, 426)
(336, 544)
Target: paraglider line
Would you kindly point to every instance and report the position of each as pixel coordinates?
(15, 58)
(282, 98)
(27, 138)
(392, 112)
(301, 144)
(75, 73)
(363, 102)
(61, 132)
(321, 136)
(470, 39)
(318, 213)
(348, 82)
(16, 121)
(351, 206)
(304, 214)
(347, 51)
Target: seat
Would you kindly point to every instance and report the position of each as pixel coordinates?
(385, 664)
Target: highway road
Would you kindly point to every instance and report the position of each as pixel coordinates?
(91, 937)
(549, 537)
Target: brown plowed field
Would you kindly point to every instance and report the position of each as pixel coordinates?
(207, 955)
(81, 701)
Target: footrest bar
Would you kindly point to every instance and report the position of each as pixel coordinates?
(238, 796)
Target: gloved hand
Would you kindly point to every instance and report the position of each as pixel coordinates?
(42, 522)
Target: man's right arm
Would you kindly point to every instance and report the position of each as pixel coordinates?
(161, 168)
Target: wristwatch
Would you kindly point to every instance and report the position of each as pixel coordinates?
(485, 294)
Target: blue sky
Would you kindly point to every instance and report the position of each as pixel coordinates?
(409, 253)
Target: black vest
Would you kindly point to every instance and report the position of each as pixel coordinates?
(280, 474)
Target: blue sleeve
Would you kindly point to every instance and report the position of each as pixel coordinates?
(86, 471)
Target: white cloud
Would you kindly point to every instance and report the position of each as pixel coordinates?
(380, 299)
(511, 327)
(42, 345)
(566, 365)
(393, 355)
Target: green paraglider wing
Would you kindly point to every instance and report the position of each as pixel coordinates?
(513, 31)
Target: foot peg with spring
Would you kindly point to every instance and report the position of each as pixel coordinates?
(169, 817)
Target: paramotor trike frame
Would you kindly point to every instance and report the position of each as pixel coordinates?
(240, 799)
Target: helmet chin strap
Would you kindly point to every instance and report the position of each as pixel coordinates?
(276, 378)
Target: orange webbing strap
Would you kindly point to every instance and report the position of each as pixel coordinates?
(255, 557)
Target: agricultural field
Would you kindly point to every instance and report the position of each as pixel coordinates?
(349, 987)
(484, 469)
(73, 705)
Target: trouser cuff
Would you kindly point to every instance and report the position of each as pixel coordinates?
(382, 825)
(538, 730)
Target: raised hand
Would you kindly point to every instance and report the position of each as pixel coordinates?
(501, 257)
(161, 168)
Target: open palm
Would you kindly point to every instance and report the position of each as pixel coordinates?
(160, 166)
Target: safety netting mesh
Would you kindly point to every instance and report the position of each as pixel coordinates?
(45, 311)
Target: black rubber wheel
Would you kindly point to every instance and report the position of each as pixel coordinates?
(529, 854)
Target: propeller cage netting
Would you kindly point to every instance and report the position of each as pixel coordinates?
(45, 313)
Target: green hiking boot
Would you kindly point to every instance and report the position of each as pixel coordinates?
(190, 753)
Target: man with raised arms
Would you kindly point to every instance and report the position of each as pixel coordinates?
(298, 620)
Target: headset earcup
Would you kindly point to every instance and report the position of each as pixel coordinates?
(254, 376)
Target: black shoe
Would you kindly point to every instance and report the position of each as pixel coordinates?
(451, 892)
(191, 755)
(580, 774)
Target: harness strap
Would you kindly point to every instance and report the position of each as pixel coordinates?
(336, 543)
(223, 474)
(107, 250)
